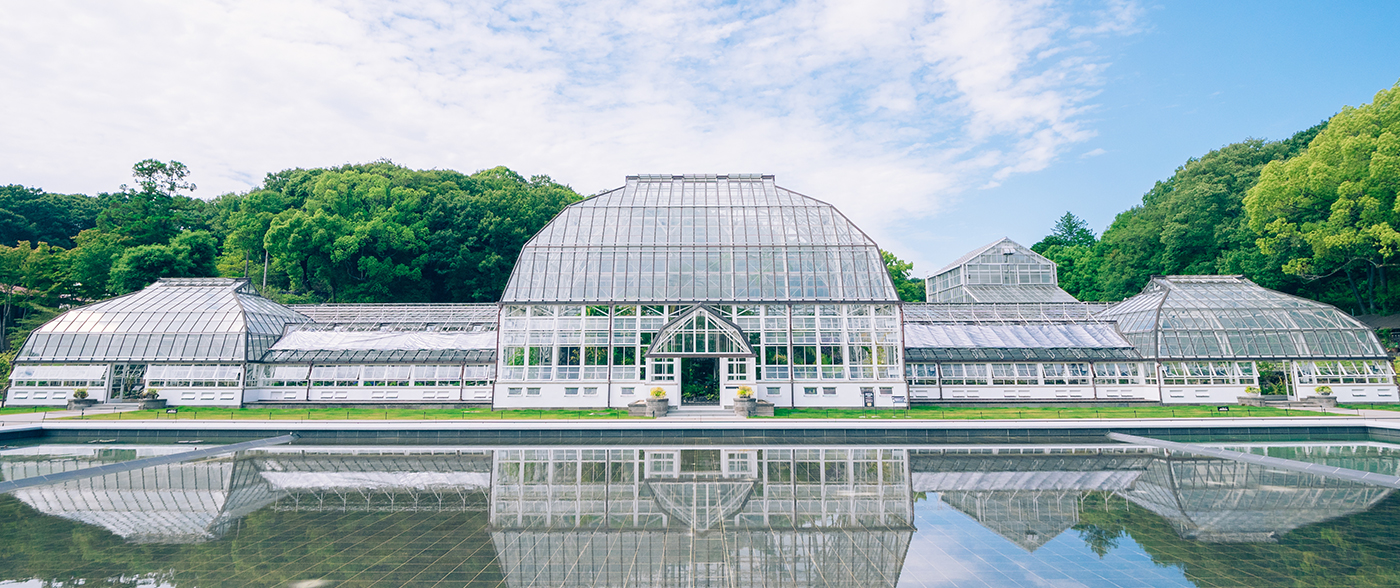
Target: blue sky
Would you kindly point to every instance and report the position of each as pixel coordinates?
(937, 126)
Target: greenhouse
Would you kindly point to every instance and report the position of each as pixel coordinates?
(699, 285)
(193, 336)
(1211, 337)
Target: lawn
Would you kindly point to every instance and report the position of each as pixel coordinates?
(970, 412)
(23, 409)
(1395, 407)
(360, 414)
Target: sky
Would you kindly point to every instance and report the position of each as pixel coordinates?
(936, 126)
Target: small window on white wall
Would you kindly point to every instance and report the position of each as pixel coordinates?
(809, 390)
(774, 391)
(829, 391)
(571, 391)
(590, 391)
(628, 390)
(514, 391)
(532, 391)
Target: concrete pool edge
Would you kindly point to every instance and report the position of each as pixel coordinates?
(849, 431)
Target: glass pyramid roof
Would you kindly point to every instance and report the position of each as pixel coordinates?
(174, 319)
(723, 238)
(1230, 317)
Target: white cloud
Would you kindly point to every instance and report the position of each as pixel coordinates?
(887, 109)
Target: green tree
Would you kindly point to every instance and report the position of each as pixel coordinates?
(1191, 223)
(157, 211)
(30, 214)
(189, 255)
(1071, 245)
(478, 225)
(910, 289)
(90, 263)
(1332, 211)
(1069, 231)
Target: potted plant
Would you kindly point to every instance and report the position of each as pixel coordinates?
(657, 405)
(1251, 390)
(80, 399)
(151, 400)
(1323, 390)
(744, 403)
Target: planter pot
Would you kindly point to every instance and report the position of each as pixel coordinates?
(153, 404)
(1327, 401)
(745, 407)
(657, 407)
(81, 403)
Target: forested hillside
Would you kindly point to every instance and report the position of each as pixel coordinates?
(376, 232)
(1313, 215)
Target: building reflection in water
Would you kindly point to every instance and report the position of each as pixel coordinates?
(702, 517)
(788, 516)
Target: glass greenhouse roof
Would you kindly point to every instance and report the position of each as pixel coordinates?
(734, 238)
(482, 315)
(1228, 317)
(329, 344)
(174, 319)
(1011, 332)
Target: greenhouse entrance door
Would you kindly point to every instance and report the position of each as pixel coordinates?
(128, 381)
(699, 381)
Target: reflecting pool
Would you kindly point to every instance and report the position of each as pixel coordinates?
(1105, 515)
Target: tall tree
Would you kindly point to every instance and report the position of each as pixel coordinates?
(1333, 212)
(1069, 231)
(157, 209)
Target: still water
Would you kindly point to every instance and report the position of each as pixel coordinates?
(951, 516)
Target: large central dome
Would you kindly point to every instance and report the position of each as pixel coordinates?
(700, 238)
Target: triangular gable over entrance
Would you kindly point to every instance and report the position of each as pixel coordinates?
(700, 332)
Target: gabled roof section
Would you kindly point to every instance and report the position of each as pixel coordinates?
(700, 332)
(969, 256)
(700, 238)
(1003, 271)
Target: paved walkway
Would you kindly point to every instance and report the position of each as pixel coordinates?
(33, 417)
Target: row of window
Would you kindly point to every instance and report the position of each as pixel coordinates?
(59, 384)
(1000, 374)
(375, 376)
(1176, 373)
(1343, 372)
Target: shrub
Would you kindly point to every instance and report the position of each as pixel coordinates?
(745, 392)
(658, 392)
(1323, 390)
(151, 394)
(80, 393)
